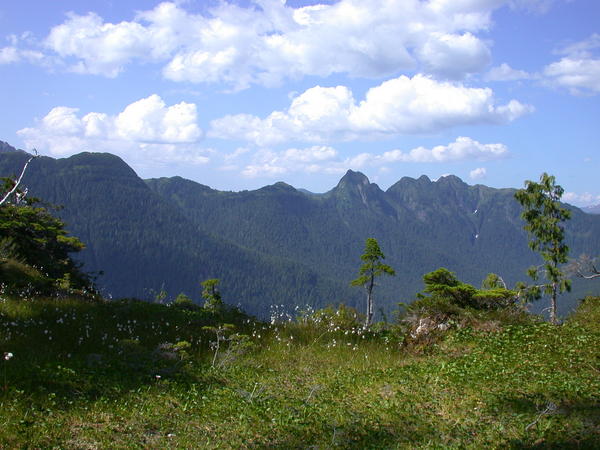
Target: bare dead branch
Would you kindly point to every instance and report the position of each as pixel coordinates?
(16, 186)
(584, 267)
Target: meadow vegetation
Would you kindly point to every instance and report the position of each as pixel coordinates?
(460, 367)
(80, 373)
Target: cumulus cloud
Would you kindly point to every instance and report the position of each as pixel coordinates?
(269, 41)
(579, 69)
(504, 72)
(399, 106)
(453, 56)
(580, 75)
(310, 160)
(99, 48)
(584, 199)
(12, 54)
(325, 159)
(462, 149)
(478, 174)
(147, 128)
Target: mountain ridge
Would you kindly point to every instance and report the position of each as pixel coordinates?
(278, 244)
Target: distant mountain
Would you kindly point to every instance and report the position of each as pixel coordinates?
(420, 225)
(594, 209)
(280, 245)
(5, 147)
(144, 243)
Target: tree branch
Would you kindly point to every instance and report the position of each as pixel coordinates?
(15, 187)
(584, 267)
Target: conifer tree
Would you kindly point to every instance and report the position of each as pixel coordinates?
(372, 268)
(210, 292)
(544, 215)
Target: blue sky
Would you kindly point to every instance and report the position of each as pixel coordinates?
(237, 95)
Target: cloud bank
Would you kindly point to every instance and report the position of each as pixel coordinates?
(325, 159)
(579, 69)
(268, 41)
(145, 129)
(399, 106)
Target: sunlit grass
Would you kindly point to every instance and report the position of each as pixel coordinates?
(138, 375)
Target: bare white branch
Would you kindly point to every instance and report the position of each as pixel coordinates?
(584, 267)
(16, 186)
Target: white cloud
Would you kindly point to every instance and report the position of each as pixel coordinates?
(149, 119)
(504, 72)
(312, 159)
(11, 54)
(462, 149)
(99, 48)
(582, 48)
(399, 106)
(478, 174)
(453, 56)
(270, 41)
(146, 129)
(578, 75)
(325, 159)
(579, 70)
(584, 199)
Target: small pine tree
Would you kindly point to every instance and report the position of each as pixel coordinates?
(210, 292)
(372, 268)
(544, 215)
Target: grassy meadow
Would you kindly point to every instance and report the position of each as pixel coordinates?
(126, 374)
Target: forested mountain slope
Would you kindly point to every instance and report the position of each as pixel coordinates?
(595, 209)
(420, 225)
(144, 243)
(279, 245)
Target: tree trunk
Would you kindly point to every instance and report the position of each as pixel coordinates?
(553, 318)
(369, 317)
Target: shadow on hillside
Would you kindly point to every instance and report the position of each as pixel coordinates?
(588, 442)
(362, 432)
(538, 431)
(87, 378)
(67, 353)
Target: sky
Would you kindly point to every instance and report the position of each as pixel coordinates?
(240, 94)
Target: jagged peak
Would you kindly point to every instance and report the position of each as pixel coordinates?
(423, 180)
(450, 179)
(354, 178)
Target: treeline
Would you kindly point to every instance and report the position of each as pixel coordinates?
(277, 245)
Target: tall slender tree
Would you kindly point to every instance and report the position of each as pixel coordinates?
(372, 268)
(544, 216)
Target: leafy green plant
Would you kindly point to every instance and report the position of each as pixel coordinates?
(184, 302)
(227, 346)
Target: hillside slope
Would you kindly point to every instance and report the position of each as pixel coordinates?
(421, 225)
(130, 374)
(143, 243)
(279, 245)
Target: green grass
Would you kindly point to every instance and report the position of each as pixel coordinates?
(136, 375)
